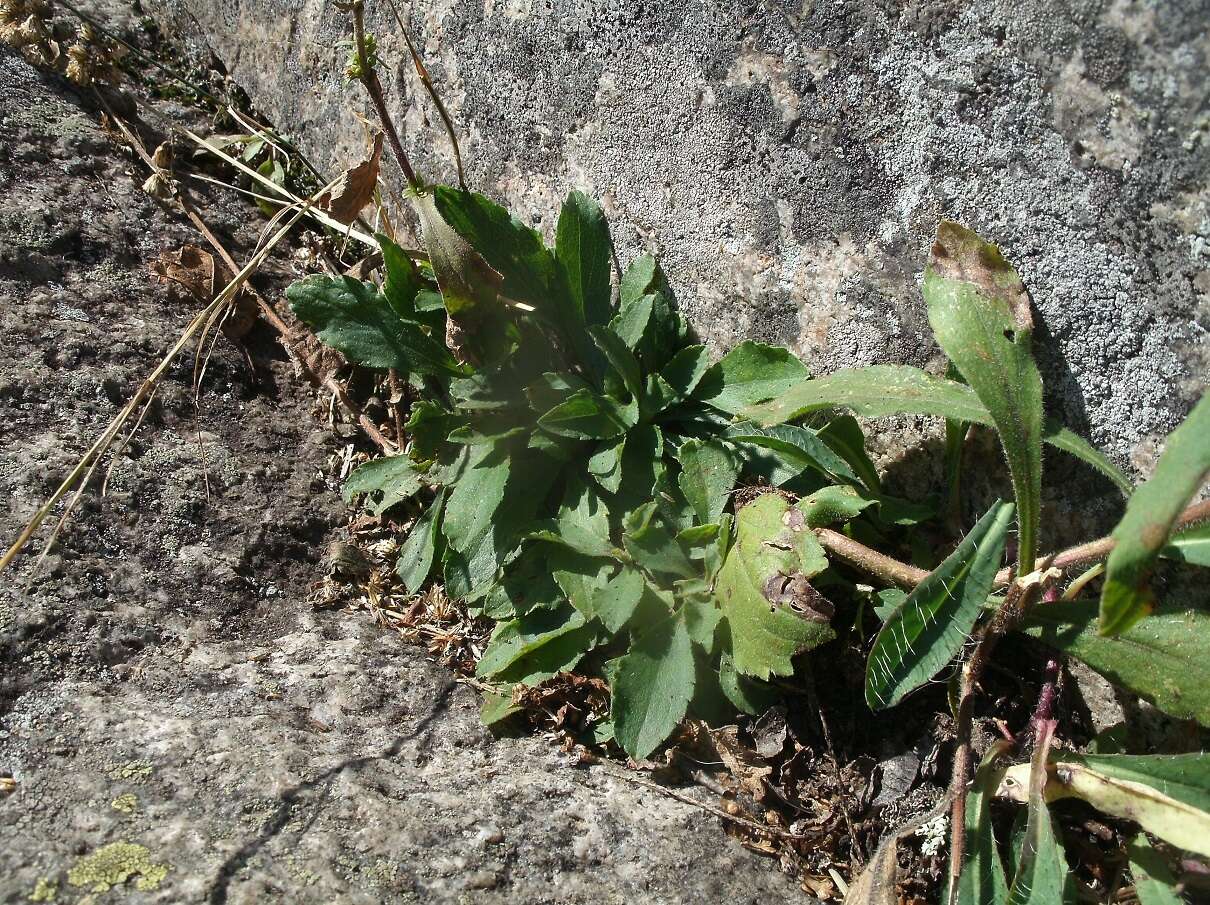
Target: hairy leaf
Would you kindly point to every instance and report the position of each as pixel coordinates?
(1154, 883)
(798, 448)
(605, 465)
(582, 524)
(750, 373)
(845, 437)
(982, 881)
(772, 545)
(1143, 531)
(620, 358)
(652, 546)
(579, 576)
(1168, 795)
(354, 318)
(385, 481)
(584, 249)
(1164, 659)
(979, 312)
(1042, 877)
(684, 370)
(420, 549)
(468, 284)
(652, 686)
(1191, 546)
(641, 278)
(832, 504)
(708, 473)
(934, 621)
(615, 601)
(536, 646)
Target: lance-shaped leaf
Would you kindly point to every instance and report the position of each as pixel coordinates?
(585, 252)
(1042, 877)
(1154, 883)
(708, 473)
(1144, 529)
(934, 621)
(845, 437)
(467, 282)
(585, 415)
(354, 318)
(652, 686)
(402, 281)
(1164, 659)
(796, 449)
(773, 552)
(1168, 795)
(982, 881)
(979, 311)
(385, 481)
(881, 390)
(1191, 546)
(420, 549)
(833, 503)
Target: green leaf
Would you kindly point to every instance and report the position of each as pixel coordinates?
(1164, 659)
(582, 523)
(428, 427)
(979, 312)
(798, 449)
(402, 281)
(651, 687)
(845, 437)
(527, 585)
(881, 390)
(1168, 795)
(469, 285)
(579, 576)
(1042, 877)
(684, 370)
(385, 481)
(750, 373)
(929, 629)
(1154, 883)
(532, 648)
(495, 494)
(701, 620)
(769, 546)
(632, 322)
(642, 277)
(1143, 531)
(354, 318)
(653, 547)
(584, 249)
(605, 465)
(552, 388)
(1191, 546)
(982, 881)
(615, 601)
(832, 504)
(620, 358)
(750, 696)
(586, 415)
(708, 473)
(420, 549)
(273, 170)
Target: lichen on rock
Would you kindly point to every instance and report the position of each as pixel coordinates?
(112, 865)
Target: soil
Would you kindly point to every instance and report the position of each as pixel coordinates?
(178, 722)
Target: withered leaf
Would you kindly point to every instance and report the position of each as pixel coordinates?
(354, 189)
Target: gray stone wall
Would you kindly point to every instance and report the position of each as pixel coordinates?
(789, 161)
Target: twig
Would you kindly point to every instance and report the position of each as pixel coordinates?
(369, 78)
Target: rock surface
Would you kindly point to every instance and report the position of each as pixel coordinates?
(790, 160)
(177, 724)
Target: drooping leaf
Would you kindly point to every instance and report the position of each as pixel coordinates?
(586, 415)
(584, 249)
(1154, 883)
(1168, 795)
(651, 687)
(772, 547)
(536, 646)
(1143, 531)
(385, 481)
(708, 473)
(1042, 876)
(354, 318)
(420, 549)
(747, 695)
(979, 312)
(750, 373)
(797, 449)
(936, 618)
(846, 438)
(1164, 659)
(834, 503)
(982, 881)
(1191, 546)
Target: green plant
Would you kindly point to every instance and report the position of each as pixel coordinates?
(622, 507)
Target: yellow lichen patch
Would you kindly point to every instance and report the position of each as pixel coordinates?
(125, 803)
(45, 890)
(131, 769)
(114, 864)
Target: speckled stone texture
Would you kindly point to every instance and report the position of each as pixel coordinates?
(177, 723)
(790, 160)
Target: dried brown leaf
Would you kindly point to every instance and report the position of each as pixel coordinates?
(354, 189)
(747, 768)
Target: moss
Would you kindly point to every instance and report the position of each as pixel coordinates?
(114, 864)
(125, 803)
(45, 890)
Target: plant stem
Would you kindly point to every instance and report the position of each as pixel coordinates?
(373, 87)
